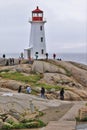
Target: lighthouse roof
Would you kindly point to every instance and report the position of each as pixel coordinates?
(37, 10)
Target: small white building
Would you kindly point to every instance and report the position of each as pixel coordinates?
(37, 45)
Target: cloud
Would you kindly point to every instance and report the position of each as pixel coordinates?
(66, 24)
(67, 48)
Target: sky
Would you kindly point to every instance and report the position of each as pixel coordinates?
(65, 30)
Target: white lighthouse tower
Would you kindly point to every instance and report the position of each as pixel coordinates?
(37, 46)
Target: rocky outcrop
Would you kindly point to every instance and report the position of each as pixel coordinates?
(77, 73)
(44, 67)
(64, 74)
(16, 107)
(24, 68)
(11, 84)
(71, 94)
(60, 80)
(69, 75)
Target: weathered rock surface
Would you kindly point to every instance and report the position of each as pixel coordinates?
(11, 84)
(43, 67)
(16, 106)
(70, 75)
(76, 72)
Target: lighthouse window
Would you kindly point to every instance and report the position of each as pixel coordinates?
(41, 39)
(41, 28)
(42, 51)
(40, 14)
(34, 14)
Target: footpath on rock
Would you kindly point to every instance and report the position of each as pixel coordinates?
(58, 114)
(67, 122)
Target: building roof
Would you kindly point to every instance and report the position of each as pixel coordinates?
(37, 10)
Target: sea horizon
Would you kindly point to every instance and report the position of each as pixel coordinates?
(75, 57)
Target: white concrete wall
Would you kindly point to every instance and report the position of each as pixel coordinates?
(35, 39)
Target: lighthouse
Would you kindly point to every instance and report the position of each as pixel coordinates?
(37, 45)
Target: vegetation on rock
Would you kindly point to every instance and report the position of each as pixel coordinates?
(24, 124)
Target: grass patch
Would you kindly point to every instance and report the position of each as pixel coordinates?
(41, 113)
(35, 123)
(5, 70)
(34, 92)
(20, 77)
(31, 79)
(47, 86)
(68, 73)
(81, 120)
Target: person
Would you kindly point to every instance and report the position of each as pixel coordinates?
(62, 94)
(54, 56)
(10, 60)
(19, 89)
(7, 62)
(4, 56)
(19, 60)
(43, 92)
(46, 56)
(28, 89)
(13, 61)
(22, 57)
(36, 55)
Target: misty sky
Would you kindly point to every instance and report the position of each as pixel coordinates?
(65, 30)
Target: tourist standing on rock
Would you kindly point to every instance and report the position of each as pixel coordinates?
(28, 89)
(13, 61)
(43, 92)
(7, 62)
(4, 56)
(36, 55)
(19, 89)
(10, 60)
(46, 56)
(62, 94)
(19, 61)
(54, 56)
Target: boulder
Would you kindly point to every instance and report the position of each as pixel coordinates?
(11, 84)
(11, 118)
(43, 67)
(15, 115)
(82, 113)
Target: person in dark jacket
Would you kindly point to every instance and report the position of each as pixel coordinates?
(54, 56)
(19, 89)
(43, 92)
(62, 94)
(46, 56)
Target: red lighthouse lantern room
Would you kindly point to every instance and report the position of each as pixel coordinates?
(37, 14)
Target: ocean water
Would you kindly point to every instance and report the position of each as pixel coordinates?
(76, 57)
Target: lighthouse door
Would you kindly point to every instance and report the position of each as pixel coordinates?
(29, 53)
